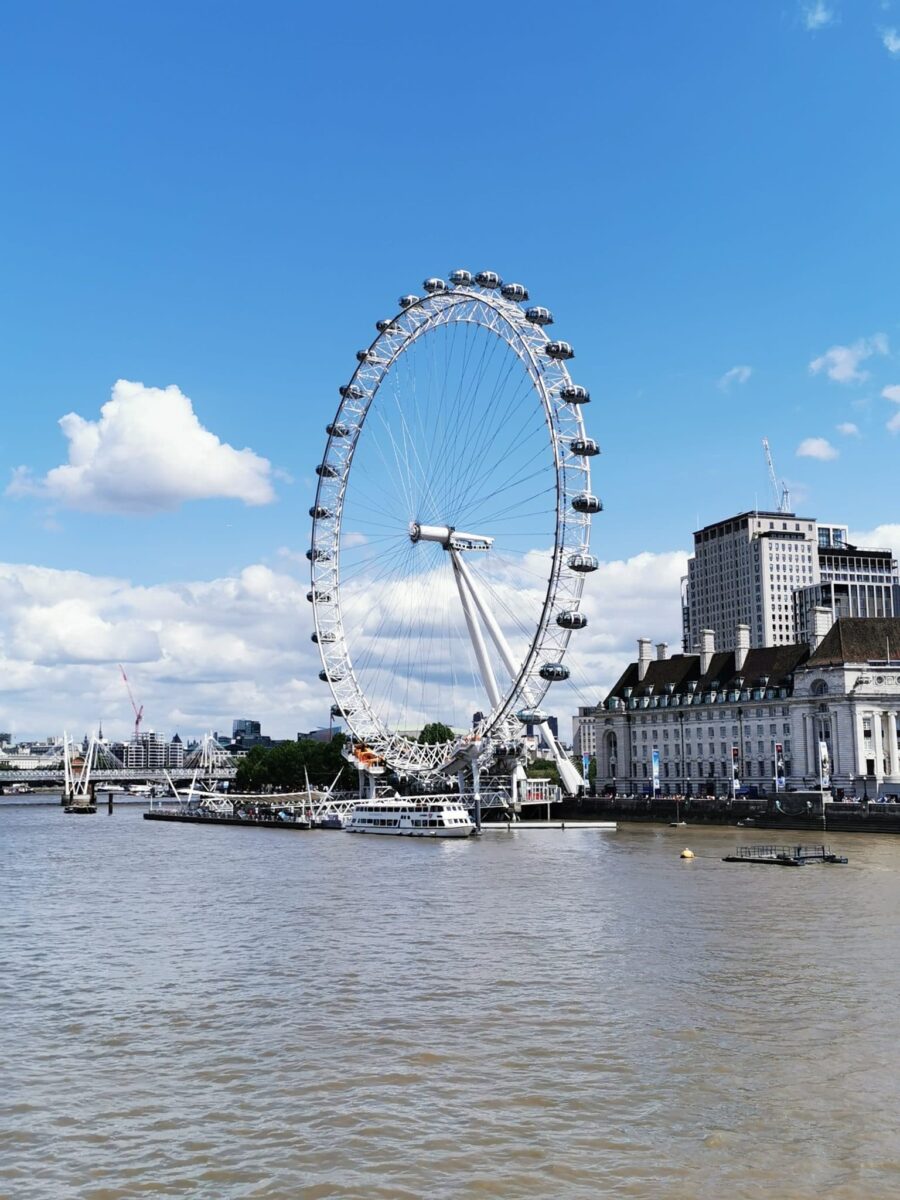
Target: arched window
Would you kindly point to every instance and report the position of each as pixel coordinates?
(818, 688)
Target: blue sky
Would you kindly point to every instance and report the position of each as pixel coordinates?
(224, 197)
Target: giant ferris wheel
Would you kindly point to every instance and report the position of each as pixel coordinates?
(451, 528)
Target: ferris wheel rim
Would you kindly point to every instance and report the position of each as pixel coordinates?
(564, 423)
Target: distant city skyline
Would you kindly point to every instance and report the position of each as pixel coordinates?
(193, 262)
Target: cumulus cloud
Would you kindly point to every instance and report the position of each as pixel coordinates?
(842, 363)
(199, 653)
(848, 429)
(146, 453)
(886, 536)
(817, 14)
(893, 393)
(735, 375)
(890, 39)
(817, 447)
(204, 652)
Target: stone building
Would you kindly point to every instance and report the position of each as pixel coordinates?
(726, 721)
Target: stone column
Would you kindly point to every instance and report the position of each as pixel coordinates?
(860, 743)
(877, 743)
(892, 754)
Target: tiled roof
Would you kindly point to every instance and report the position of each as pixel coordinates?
(859, 640)
(775, 664)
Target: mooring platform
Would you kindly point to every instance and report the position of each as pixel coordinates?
(515, 826)
(784, 856)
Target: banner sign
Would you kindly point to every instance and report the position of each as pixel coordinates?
(655, 761)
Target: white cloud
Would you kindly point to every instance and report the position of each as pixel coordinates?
(735, 375)
(147, 453)
(817, 14)
(201, 653)
(892, 393)
(890, 39)
(885, 536)
(841, 363)
(817, 447)
(848, 429)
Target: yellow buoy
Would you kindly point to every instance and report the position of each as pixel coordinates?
(687, 853)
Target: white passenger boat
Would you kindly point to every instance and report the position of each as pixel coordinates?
(411, 818)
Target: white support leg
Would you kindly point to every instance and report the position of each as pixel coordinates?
(484, 664)
(569, 777)
(487, 616)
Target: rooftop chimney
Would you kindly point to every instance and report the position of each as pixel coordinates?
(822, 621)
(643, 657)
(707, 649)
(662, 651)
(741, 647)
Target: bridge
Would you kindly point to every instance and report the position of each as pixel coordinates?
(81, 775)
(120, 775)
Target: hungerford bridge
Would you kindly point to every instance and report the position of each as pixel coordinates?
(97, 766)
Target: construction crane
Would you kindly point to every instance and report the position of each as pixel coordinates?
(138, 712)
(781, 494)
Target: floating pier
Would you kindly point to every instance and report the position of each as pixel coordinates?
(514, 826)
(205, 817)
(784, 856)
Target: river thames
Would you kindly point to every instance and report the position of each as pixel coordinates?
(234, 1012)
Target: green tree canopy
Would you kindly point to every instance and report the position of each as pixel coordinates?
(284, 767)
(434, 732)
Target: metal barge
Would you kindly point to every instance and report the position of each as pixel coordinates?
(784, 856)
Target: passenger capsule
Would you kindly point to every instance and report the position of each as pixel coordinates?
(488, 279)
(364, 356)
(327, 635)
(319, 513)
(317, 554)
(326, 471)
(586, 447)
(554, 672)
(337, 711)
(408, 301)
(315, 596)
(539, 316)
(434, 285)
(337, 430)
(323, 675)
(351, 391)
(559, 350)
(514, 291)
(583, 563)
(584, 502)
(531, 716)
(571, 619)
(460, 278)
(383, 325)
(574, 393)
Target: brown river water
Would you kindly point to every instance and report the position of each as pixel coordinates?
(235, 1012)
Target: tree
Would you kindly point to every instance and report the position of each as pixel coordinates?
(434, 732)
(286, 766)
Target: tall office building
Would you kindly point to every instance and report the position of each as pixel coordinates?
(744, 571)
(853, 582)
(769, 570)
